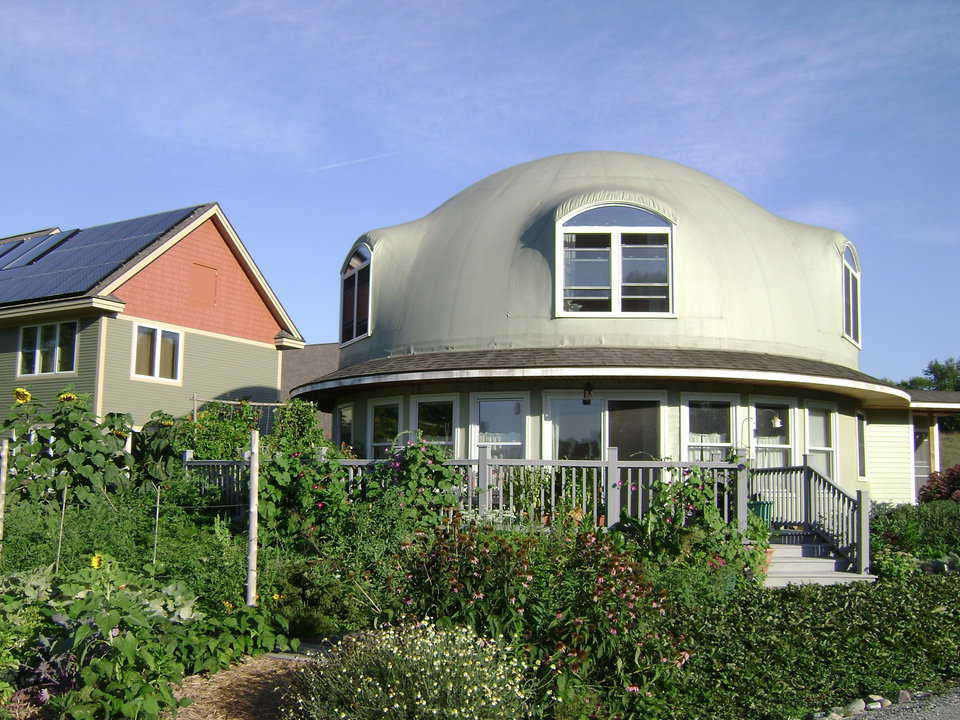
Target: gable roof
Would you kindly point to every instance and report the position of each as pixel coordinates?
(58, 264)
(43, 266)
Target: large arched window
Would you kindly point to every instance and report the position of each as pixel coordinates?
(851, 295)
(614, 260)
(355, 296)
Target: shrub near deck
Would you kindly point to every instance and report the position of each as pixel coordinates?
(771, 655)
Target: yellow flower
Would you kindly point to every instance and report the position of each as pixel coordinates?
(116, 432)
(228, 605)
(96, 561)
(276, 596)
(22, 395)
(67, 396)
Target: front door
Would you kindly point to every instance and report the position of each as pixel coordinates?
(633, 427)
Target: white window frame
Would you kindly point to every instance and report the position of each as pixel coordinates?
(379, 402)
(791, 405)
(523, 397)
(160, 329)
(56, 350)
(353, 423)
(345, 272)
(831, 408)
(616, 262)
(603, 398)
(737, 417)
(454, 398)
(849, 311)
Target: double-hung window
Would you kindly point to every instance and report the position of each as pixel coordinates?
(384, 426)
(48, 349)
(614, 260)
(773, 433)
(851, 296)
(435, 420)
(345, 425)
(501, 425)
(820, 440)
(710, 427)
(355, 296)
(157, 353)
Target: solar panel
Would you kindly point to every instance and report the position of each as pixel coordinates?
(40, 249)
(5, 248)
(73, 262)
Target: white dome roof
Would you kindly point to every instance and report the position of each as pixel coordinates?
(478, 272)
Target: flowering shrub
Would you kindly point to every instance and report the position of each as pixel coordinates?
(414, 672)
(578, 601)
(927, 531)
(944, 485)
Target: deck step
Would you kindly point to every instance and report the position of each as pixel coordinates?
(810, 563)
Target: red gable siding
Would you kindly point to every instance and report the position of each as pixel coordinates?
(199, 283)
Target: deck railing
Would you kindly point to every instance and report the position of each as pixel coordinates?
(805, 500)
(604, 490)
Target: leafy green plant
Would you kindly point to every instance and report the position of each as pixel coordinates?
(414, 672)
(926, 531)
(426, 484)
(65, 448)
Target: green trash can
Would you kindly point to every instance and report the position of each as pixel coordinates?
(763, 509)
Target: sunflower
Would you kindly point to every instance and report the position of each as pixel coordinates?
(96, 561)
(67, 396)
(22, 395)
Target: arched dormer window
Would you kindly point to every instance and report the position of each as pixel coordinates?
(355, 296)
(614, 260)
(851, 295)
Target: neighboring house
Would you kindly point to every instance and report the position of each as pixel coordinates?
(602, 299)
(142, 314)
(301, 366)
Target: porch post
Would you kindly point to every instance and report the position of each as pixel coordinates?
(807, 494)
(863, 531)
(613, 487)
(483, 479)
(743, 480)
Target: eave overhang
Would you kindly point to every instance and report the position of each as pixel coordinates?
(720, 366)
(47, 308)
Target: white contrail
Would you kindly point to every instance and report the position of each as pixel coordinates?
(344, 163)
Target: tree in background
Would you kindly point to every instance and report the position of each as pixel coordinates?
(939, 376)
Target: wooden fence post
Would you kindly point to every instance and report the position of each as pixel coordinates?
(613, 486)
(4, 469)
(253, 517)
(483, 479)
(743, 494)
(863, 531)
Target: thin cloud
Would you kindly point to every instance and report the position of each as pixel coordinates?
(358, 161)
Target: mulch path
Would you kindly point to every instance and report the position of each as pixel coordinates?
(252, 690)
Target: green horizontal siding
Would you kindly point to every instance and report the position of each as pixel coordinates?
(45, 388)
(213, 367)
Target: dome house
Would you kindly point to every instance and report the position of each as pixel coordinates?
(593, 300)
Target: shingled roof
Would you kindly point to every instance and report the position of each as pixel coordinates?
(44, 265)
(596, 357)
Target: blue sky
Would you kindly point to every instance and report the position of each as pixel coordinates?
(313, 122)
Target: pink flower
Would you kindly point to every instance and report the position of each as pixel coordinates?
(632, 689)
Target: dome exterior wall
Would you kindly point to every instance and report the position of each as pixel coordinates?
(478, 272)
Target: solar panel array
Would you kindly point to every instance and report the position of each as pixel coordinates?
(75, 261)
